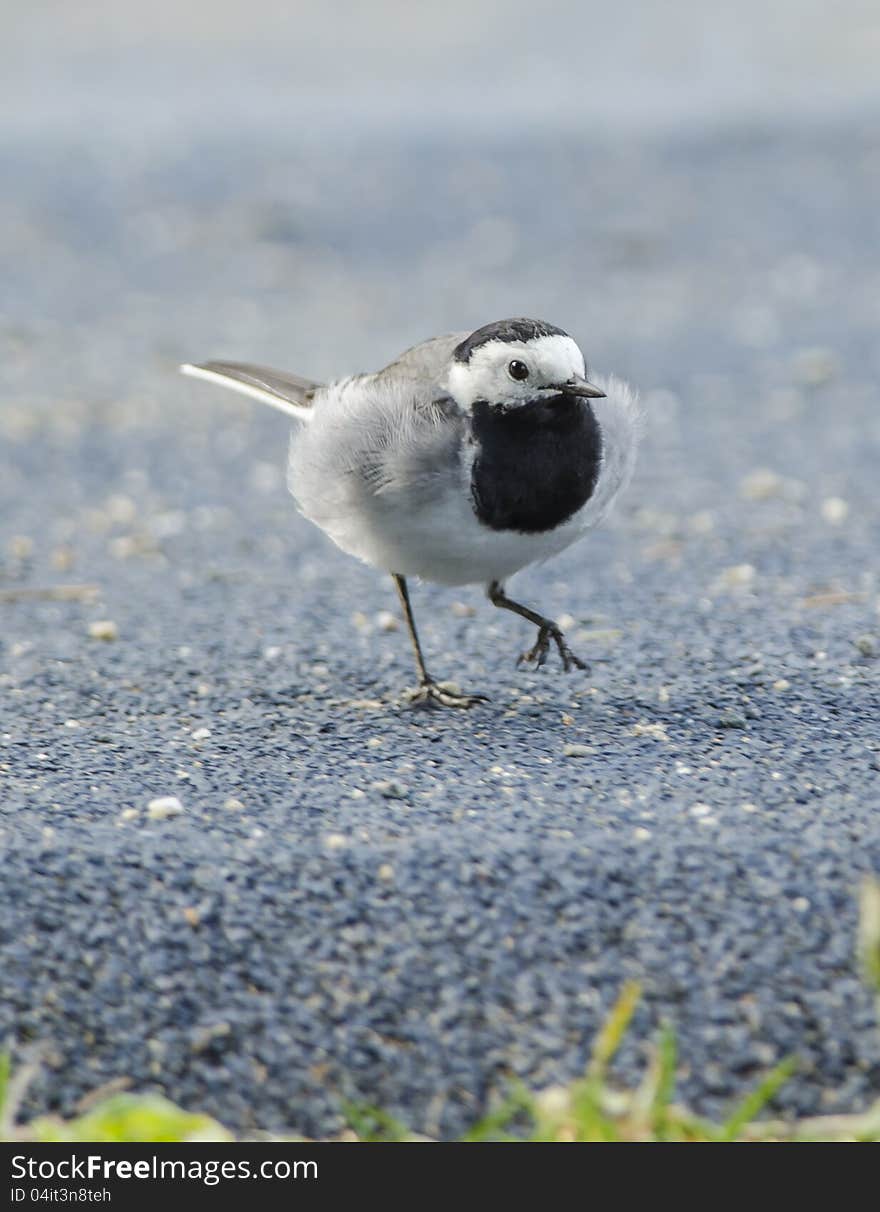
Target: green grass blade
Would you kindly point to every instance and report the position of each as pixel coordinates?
(667, 1059)
(614, 1028)
(373, 1126)
(754, 1103)
(5, 1069)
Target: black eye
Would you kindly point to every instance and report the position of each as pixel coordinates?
(517, 370)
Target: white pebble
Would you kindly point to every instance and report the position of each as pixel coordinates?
(20, 547)
(701, 522)
(813, 367)
(577, 750)
(163, 808)
(760, 484)
(656, 731)
(201, 734)
(737, 577)
(103, 629)
(835, 510)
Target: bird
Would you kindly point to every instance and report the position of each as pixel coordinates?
(468, 458)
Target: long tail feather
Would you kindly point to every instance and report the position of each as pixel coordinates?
(288, 393)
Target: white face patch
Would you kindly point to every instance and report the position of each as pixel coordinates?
(550, 361)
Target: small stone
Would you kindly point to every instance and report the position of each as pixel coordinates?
(782, 684)
(103, 629)
(835, 510)
(554, 1102)
(641, 834)
(201, 734)
(737, 577)
(573, 750)
(128, 814)
(20, 547)
(760, 485)
(867, 645)
(462, 610)
(233, 805)
(701, 522)
(124, 546)
(205, 1037)
(731, 719)
(335, 841)
(192, 915)
(386, 873)
(120, 509)
(656, 731)
(749, 807)
(390, 789)
(386, 621)
(814, 367)
(163, 808)
(700, 810)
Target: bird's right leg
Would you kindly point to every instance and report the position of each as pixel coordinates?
(547, 631)
(428, 693)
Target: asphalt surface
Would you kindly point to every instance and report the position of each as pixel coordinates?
(358, 901)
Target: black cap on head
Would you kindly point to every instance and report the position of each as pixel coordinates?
(519, 329)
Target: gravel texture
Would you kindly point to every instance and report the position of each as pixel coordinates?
(234, 867)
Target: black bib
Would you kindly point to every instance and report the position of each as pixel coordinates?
(536, 464)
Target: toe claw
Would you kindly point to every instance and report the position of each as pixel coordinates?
(441, 694)
(537, 655)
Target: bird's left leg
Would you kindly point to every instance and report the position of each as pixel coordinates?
(547, 631)
(428, 693)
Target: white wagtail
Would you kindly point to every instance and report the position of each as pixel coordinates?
(468, 458)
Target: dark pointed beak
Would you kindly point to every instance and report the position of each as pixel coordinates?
(578, 386)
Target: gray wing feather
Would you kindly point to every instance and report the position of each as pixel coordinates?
(427, 361)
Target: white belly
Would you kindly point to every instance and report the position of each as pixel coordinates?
(426, 526)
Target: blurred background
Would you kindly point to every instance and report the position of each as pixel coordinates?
(317, 183)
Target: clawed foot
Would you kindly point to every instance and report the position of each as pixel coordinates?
(441, 694)
(537, 655)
